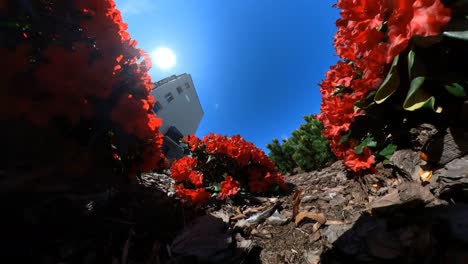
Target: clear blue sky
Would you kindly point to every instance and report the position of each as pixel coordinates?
(255, 63)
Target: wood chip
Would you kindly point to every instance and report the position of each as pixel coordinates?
(335, 222)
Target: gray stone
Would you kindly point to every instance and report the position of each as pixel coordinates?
(407, 162)
(445, 148)
(454, 174)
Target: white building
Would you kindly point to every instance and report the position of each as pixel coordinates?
(177, 104)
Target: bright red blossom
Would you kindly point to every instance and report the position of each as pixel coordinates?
(250, 160)
(195, 196)
(181, 168)
(367, 51)
(229, 187)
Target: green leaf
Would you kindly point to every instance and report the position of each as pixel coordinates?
(418, 98)
(388, 151)
(456, 89)
(463, 35)
(345, 138)
(367, 142)
(411, 55)
(390, 84)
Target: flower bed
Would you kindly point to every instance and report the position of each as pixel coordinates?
(221, 167)
(383, 47)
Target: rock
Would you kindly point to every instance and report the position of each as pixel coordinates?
(407, 194)
(312, 256)
(383, 244)
(277, 219)
(445, 148)
(453, 176)
(333, 232)
(421, 134)
(338, 200)
(407, 162)
(243, 243)
(205, 237)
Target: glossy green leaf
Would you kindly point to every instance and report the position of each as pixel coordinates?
(367, 142)
(418, 98)
(463, 35)
(390, 84)
(388, 151)
(456, 89)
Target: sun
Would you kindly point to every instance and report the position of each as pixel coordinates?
(164, 58)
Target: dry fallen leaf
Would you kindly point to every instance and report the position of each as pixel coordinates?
(423, 156)
(319, 217)
(316, 227)
(425, 176)
(296, 202)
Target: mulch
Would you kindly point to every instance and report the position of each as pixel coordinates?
(326, 217)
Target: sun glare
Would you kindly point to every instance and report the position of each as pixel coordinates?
(164, 58)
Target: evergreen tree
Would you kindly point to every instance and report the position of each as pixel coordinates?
(312, 149)
(307, 148)
(281, 154)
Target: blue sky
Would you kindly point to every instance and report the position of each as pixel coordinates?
(255, 63)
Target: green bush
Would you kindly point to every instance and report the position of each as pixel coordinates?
(306, 149)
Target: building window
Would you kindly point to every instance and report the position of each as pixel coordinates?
(179, 90)
(169, 97)
(188, 98)
(157, 107)
(187, 85)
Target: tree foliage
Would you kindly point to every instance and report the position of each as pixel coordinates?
(306, 149)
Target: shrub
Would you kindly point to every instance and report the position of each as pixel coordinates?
(381, 52)
(221, 167)
(307, 148)
(282, 155)
(75, 90)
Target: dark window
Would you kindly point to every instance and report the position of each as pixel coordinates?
(179, 90)
(157, 107)
(169, 97)
(174, 134)
(187, 85)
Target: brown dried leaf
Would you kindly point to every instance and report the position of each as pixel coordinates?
(425, 176)
(316, 227)
(315, 236)
(296, 201)
(319, 217)
(423, 156)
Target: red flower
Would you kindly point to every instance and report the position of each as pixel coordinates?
(196, 178)
(429, 16)
(197, 196)
(192, 141)
(181, 169)
(358, 162)
(229, 187)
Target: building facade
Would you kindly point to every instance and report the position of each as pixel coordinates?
(178, 105)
